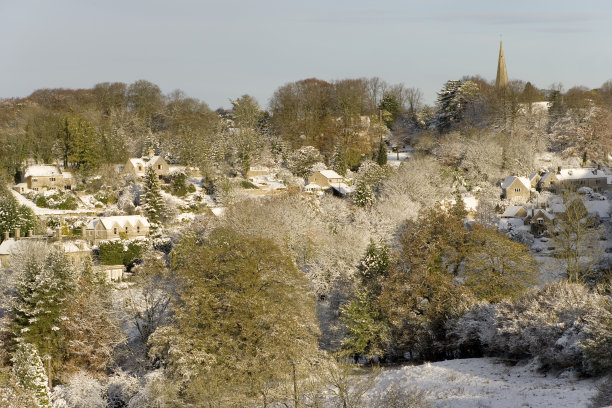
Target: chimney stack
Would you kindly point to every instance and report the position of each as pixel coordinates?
(6, 235)
(29, 233)
(151, 153)
(17, 233)
(58, 233)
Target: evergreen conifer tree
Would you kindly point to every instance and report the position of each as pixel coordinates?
(153, 200)
(363, 196)
(339, 161)
(30, 373)
(13, 215)
(45, 285)
(381, 155)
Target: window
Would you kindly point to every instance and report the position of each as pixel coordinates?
(52, 178)
(159, 167)
(138, 228)
(115, 231)
(139, 167)
(126, 230)
(517, 190)
(34, 179)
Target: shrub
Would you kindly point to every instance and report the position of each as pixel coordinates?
(563, 325)
(119, 252)
(41, 201)
(111, 252)
(247, 184)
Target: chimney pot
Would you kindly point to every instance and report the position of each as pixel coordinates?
(17, 233)
(6, 235)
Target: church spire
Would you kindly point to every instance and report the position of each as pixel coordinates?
(502, 75)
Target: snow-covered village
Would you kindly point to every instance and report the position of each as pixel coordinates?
(329, 242)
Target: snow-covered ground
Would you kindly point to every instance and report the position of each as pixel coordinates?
(394, 159)
(488, 382)
(49, 211)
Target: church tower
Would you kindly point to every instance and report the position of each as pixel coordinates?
(502, 75)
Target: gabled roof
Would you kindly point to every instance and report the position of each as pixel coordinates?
(144, 162)
(120, 220)
(330, 174)
(512, 211)
(137, 161)
(510, 179)
(539, 212)
(72, 247)
(546, 176)
(45, 170)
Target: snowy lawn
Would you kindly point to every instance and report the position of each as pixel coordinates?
(488, 382)
(395, 159)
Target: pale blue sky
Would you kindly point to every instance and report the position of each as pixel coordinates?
(217, 50)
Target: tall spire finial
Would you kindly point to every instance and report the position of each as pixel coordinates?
(502, 75)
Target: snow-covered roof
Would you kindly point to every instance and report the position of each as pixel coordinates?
(343, 188)
(44, 170)
(577, 174)
(75, 246)
(138, 161)
(121, 220)
(67, 175)
(510, 179)
(539, 212)
(144, 162)
(546, 176)
(330, 174)
(512, 211)
(557, 208)
(599, 208)
(7, 246)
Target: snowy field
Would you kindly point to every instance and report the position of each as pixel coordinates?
(395, 159)
(487, 382)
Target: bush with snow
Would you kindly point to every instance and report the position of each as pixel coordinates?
(120, 389)
(563, 325)
(82, 391)
(30, 373)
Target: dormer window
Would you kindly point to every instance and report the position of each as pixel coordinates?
(139, 167)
